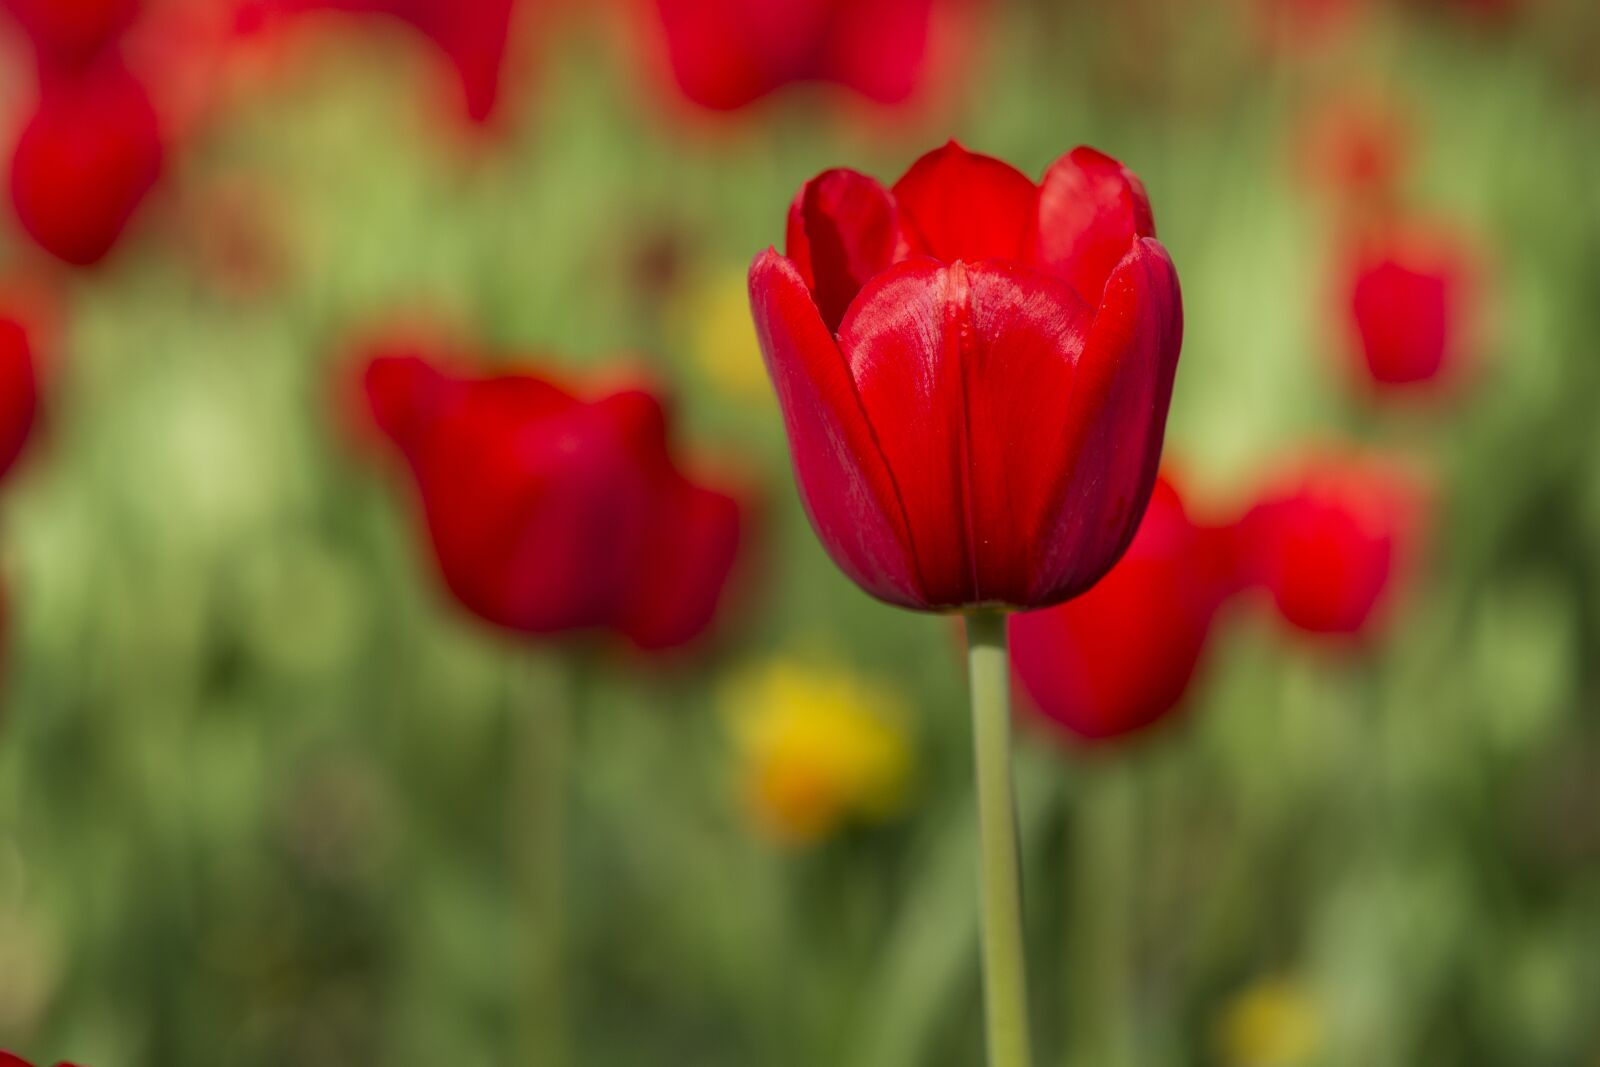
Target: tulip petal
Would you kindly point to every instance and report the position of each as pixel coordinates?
(844, 481)
(879, 47)
(685, 568)
(844, 227)
(1113, 433)
(1090, 209)
(965, 374)
(968, 206)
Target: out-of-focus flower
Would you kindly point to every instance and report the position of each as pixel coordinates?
(722, 341)
(1355, 147)
(1120, 657)
(1329, 539)
(551, 514)
(19, 395)
(71, 33)
(85, 161)
(725, 54)
(1408, 290)
(818, 748)
(473, 35)
(974, 372)
(1273, 1023)
(8, 1059)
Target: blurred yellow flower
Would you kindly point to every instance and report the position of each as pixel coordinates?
(1273, 1023)
(722, 337)
(818, 747)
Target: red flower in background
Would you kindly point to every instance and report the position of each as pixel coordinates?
(1408, 290)
(85, 161)
(8, 1059)
(19, 396)
(1120, 657)
(1356, 147)
(70, 33)
(725, 54)
(550, 514)
(974, 372)
(473, 35)
(1329, 539)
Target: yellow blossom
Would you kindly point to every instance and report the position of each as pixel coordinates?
(1273, 1023)
(818, 747)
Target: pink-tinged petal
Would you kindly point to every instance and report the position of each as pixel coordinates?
(1112, 436)
(879, 47)
(1090, 210)
(844, 228)
(965, 373)
(968, 206)
(844, 482)
(685, 568)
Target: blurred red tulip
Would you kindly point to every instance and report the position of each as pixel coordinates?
(1408, 291)
(8, 1059)
(725, 54)
(472, 34)
(551, 514)
(71, 33)
(1328, 540)
(85, 161)
(1120, 657)
(1355, 147)
(974, 371)
(18, 391)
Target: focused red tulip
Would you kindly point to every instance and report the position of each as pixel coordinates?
(85, 161)
(1408, 290)
(18, 391)
(550, 514)
(725, 54)
(974, 372)
(70, 33)
(1328, 540)
(473, 35)
(1120, 657)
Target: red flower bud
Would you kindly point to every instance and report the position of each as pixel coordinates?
(725, 54)
(974, 372)
(70, 33)
(1328, 540)
(1120, 657)
(1408, 292)
(551, 514)
(85, 161)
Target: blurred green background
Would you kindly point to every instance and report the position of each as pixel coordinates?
(267, 797)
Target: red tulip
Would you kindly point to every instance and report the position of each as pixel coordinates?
(1120, 657)
(472, 34)
(18, 391)
(85, 161)
(8, 1059)
(1408, 293)
(974, 371)
(725, 54)
(70, 33)
(1327, 541)
(551, 514)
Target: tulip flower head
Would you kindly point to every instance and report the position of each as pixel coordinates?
(1328, 540)
(1408, 291)
(818, 748)
(974, 372)
(473, 35)
(85, 161)
(18, 391)
(550, 514)
(71, 33)
(725, 54)
(1120, 657)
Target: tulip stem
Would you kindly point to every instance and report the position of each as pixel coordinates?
(1005, 969)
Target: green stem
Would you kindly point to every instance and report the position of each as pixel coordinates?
(1004, 963)
(538, 828)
